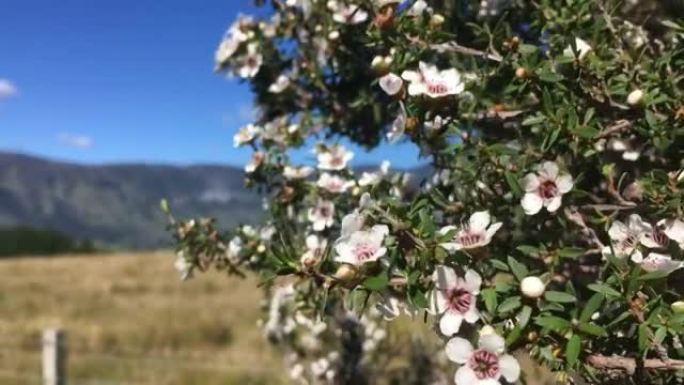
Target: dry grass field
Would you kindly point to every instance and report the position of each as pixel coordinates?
(130, 320)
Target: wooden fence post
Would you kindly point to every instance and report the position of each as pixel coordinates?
(54, 357)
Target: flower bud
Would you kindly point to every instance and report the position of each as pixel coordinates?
(520, 73)
(532, 287)
(334, 35)
(677, 307)
(634, 98)
(345, 273)
(487, 330)
(436, 20)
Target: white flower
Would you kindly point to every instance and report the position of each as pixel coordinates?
(532, 287)
(417, 8)
(545, 188)
(183, 266)
(335, 158)
(302, 172)
(347, 13)
(254, 163)
(251, 62)
(351, 223)
(245, 135)
(334, 183)
(674, 229)
(625, 238)
(635, 97)
(484, 366)
(583, 48)
(281, 83)
(315, 246)
(396, 132)
(629, 151)
(430, 81)
(455, 298)
(658, 262)
(391, 83)
(321, 216)
(232, 40)
(362, 246)
(436, 123)
(476, 233)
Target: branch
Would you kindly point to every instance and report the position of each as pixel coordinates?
(574, 216)
(629, 365)
(614, 127)
(452, 46)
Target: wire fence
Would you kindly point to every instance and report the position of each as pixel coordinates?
(128, 361)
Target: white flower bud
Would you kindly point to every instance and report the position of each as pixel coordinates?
(487, 330)
(334, 35)
(532, 287)
(677, 307)
(634, 97)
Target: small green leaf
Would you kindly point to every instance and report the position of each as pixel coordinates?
(592, 305)
(572, 349)
(653, 275)
(559, 296)
(376, 283)
(524, 316)
(604, 289)
(592, 328)
(518, 269)
(490, 300)
(510, 304)
(554, 323)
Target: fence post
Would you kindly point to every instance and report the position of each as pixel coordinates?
(54, 357)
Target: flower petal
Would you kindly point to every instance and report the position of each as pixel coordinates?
(549, 170)
(564, 183)
(450, 323)
(530, 182)
(472, 315)
(444, 277)
(479, 221)
(510, 368)
(459, 350)
(553, 204)
(473, 281)
(493, 343)
(466, 376)
(674, 229)
(532, 203)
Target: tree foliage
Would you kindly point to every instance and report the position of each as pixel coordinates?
(553, 221)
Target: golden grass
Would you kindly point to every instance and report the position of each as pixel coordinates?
(129, 319)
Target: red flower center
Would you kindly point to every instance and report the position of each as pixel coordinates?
(459, 299)
(364, 251)
(547, 189)
(468, 238)
(438, 88)
(485, 364)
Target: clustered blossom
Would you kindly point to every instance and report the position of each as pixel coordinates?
(362, 246)
(455, 298)
(322, 215)
(334, 158)
(334, 183)
(347, 13)
(484, 365)
(636, 236)
(476, 233)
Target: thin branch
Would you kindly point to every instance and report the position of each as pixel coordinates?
(629, 365)
(574, 216)
(614, 127)
(452, 46)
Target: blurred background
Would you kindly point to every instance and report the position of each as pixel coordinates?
(106, 107)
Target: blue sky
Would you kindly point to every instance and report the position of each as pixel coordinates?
(99, 81)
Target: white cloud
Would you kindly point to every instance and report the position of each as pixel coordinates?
(7, 89)
(76, 141)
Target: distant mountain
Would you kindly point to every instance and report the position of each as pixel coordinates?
(118, 205)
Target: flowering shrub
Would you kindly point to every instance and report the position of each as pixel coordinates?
(551, 220)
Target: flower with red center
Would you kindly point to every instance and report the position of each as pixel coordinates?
(430, 81)
(321, 216)
(545, 188)
(658, 262)
(455, 298)
(347, 13)
(625, 238)
(251, 62)
(674, 229)
(362, 246)
(333, 183)
(476, 233)
(484, 366)
(334, 158)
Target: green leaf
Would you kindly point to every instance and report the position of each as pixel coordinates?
(420, 300)
(570, 252)
(559, 296)
(592, 305)
(499, 265)
(592, 328)
(534, 120)
(518, 269)
(653, 275)
(604, 289)
(554, 323)
(644, 333)
(524, 316)
(490, 300)
(376, 283)
(572, 349)
(513, 184)
(510, 304)
(531, 251)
